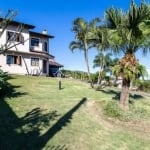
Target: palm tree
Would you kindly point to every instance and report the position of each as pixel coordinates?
(84, 35)
(103, 61)
(130, 32)
(102, 44)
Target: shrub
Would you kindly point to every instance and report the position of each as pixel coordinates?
(112, 110)
(3, 81)
(143, 85)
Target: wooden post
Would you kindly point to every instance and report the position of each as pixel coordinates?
(59, 85)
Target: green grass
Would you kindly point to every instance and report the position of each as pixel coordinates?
(35, 114)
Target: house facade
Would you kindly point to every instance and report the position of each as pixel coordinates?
(28, 51)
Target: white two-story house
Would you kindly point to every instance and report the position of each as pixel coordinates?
(28, 52)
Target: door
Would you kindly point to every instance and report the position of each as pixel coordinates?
(45, 66)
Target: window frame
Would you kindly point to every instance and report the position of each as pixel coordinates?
(18, 37)
(35, 63)
(14, 60)
(35, 40)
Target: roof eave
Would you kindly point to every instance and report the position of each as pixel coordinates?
(18, 23)
(32, 33)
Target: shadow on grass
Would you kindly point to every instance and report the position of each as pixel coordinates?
(25, 132)
(62, 122)
(10, 92)
(116, 95)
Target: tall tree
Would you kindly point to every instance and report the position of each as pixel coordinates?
(84, 35)
(6, 19)
(4, 23)
(102, 44)
(131, 32)
(103, 61)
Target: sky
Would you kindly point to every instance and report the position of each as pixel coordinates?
(56, 16)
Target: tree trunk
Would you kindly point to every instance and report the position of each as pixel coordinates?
(102, 64)
(124, 97)
(88, 68)
(89, 74)
(99, 78)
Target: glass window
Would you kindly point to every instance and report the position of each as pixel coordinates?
(34, 61)
(13, 59)
(12, 36)
(34, 42)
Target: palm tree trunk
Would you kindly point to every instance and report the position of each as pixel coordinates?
(124, 97)
(99, 78)
(88, 68)
(99, 75)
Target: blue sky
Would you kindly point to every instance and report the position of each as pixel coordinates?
(57, 16)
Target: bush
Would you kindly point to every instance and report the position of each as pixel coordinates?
(94, 77)
(143, 85)
(3, 81)
(112, 110)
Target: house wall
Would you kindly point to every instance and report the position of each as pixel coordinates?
(27, 42)
(21, 47)
(25, 68)
(41, 44)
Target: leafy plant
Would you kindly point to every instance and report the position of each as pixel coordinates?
(112, 110)
(3, 81)
(130, 34)
(143, 85)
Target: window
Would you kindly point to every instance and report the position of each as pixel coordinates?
(45, 46)
(34, 42)
(34, 61)
(13, 59)
(16, 37)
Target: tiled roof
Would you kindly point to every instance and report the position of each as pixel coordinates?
(53, 63)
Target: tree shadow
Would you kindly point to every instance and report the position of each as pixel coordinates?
(20, 133)
(25, 132)
(8, 119)
(116, 95)
(9, 90)
(62, 122)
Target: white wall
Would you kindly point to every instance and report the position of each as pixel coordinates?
(25, 67)
(26, 46)
(41, 44)
(21, 47)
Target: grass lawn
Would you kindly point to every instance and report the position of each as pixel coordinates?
(36, 115)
